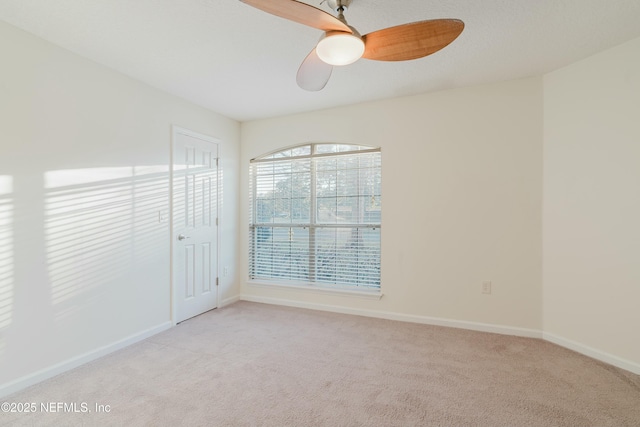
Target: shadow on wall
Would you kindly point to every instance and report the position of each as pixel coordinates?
(71, 242)
(97, 226)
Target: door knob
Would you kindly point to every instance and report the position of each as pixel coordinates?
(182, 237)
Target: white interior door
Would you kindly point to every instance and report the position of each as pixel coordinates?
(194, 224)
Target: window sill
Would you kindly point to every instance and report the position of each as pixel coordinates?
(303, 287)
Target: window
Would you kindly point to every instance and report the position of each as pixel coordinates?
(315, 216)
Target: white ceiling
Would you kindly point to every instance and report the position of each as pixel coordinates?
(242, 62)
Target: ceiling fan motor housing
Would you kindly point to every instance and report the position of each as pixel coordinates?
(337, 5)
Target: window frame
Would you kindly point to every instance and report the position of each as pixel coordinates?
(313, 225)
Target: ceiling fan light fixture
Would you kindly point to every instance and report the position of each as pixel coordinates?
(340, 48)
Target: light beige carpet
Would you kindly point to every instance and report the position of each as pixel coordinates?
(258, 365)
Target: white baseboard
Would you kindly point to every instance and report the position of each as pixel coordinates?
(474, 326)
(74, 362)
(593, 353)
(229, 301)
(36, 377)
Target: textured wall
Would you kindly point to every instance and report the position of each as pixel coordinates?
(84, 155)
(462, 182)
(592, 202)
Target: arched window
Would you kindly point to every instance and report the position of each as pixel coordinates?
(315, 216)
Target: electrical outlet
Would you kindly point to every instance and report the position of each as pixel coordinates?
(486, 287)
(225, 271)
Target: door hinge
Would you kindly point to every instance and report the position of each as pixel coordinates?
(216, 221)
(217, 161)
(217, 281)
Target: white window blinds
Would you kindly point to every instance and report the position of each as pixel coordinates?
(315, 216)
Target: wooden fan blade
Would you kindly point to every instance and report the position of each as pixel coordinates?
(301, 13)
(411, 41)
(313, 73)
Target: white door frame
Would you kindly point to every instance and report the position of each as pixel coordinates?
(175, 131)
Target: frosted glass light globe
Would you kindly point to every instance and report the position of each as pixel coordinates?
(340, 49)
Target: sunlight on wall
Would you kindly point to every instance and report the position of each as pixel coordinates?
(6, 256)
(63, 178)
(100, 224)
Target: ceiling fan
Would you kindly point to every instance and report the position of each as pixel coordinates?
(341, 44)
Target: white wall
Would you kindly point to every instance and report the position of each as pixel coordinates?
(592, 204)
(462, 182)
(84, 155)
